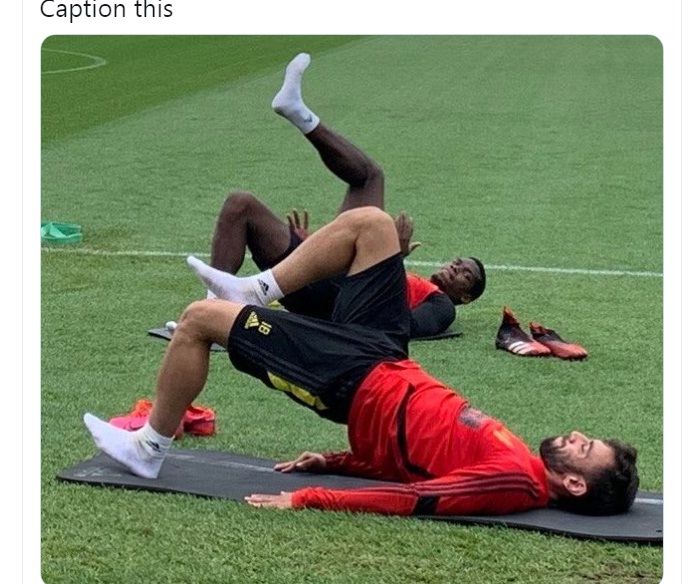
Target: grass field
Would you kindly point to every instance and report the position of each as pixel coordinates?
(540, 155)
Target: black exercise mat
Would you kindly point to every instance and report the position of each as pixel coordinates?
(448, 334)
(225, 475)
(164, 333)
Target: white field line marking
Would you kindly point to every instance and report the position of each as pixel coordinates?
(96, 62)
(432, 264)
(554, 270)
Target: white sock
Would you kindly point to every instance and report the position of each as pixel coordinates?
(258, 290)
(142, 452)
(288, 102)
(153, 443)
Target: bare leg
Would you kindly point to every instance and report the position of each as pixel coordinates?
(244, 221)
(182, 377)
(185, 366)
(364, 177)
(352, 242)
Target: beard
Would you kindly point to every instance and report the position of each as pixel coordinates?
(553, 456)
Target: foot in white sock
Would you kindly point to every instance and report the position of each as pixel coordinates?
(257, 290)
(222, 284)
(125, 447)
(288, 102)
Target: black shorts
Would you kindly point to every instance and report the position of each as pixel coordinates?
(321, 363)
(317, 299)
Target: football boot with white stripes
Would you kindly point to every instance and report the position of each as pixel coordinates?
(558, 346)
(512, 338)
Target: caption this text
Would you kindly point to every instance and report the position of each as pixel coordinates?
(88, 9)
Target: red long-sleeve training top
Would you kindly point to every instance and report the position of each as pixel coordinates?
(418, 289)
(446, 457)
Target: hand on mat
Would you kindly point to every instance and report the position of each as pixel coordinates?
(404, 227)
(297, 226)
(306, 461)
(281, 501)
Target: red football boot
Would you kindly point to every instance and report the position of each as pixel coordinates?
(138, 417)
(559, 347)
(199, 421)
(512, 338)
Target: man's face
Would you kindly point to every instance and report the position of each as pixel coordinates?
(576, 453)
(457, 278)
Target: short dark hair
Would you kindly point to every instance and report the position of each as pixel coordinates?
(610, 491)
(480, 285)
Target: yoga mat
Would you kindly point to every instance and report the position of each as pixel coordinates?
(232, 476)
(448, 334)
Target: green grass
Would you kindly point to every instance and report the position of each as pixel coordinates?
(143, 72)
(524, 151)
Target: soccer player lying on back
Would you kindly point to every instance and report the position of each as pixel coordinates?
(244, 221)
(404, 425)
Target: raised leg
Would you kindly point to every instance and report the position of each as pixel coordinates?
(354, 241)
(364, 177)
(351, 243)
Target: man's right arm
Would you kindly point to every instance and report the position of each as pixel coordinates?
(481, 490)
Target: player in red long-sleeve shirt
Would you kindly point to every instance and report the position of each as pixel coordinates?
(406, 426)
(244, 221)
(403, 425)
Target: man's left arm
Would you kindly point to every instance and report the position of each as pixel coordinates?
(432, 316)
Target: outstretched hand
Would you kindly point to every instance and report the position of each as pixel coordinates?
(281, 501)
(301, 228)
(306, 461)
(404, 227)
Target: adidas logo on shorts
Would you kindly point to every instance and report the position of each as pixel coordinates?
(260, 325)
(253, 321)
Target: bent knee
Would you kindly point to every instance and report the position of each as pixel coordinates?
(209, 320)
(194, 317)
(363, 217)
(374, 172)
(238, 203)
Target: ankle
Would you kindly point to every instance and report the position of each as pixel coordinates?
(153, 442)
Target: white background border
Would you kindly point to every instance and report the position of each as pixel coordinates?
(674, 22)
